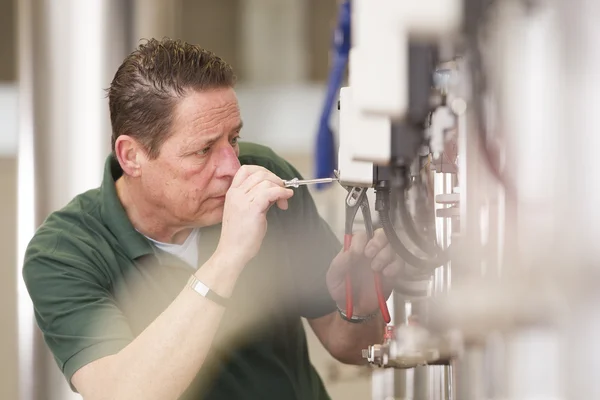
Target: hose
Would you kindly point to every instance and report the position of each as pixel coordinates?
(408, 223)
(382, 205)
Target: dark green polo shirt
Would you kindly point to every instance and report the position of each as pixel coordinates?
(96, 283)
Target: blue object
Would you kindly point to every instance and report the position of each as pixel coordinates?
(326, 149)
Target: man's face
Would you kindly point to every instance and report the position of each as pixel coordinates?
(197, 163)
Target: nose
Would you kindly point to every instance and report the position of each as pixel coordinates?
(227, 162)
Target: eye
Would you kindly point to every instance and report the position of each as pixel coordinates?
(235, 140)
(203, 152)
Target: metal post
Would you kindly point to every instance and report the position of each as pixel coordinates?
(440, 376)
(579, 196)
(68, 52)
(470, 369)
(391, 383)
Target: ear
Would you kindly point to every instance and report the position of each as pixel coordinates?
(130, 154)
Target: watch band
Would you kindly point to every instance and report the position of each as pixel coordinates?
(205, 291)
(357, 319)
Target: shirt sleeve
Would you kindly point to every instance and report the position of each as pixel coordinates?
(315, 246)
(74, 308)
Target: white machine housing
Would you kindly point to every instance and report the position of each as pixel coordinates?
(378, 64)
(355, 126)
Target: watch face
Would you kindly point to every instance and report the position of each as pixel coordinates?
(205, 291)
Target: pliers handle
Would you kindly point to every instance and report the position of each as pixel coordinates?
(357, 198)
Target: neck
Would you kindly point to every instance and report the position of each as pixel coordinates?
(147, 218)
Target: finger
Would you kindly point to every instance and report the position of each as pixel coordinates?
(264, 198)
(359, 241)
(384, 257)
(376, 244)
(282, 204)
(261, 187)
(258, 177)
(243, 173)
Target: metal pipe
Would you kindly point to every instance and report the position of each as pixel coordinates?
(68, 52)
(25, 193)
(394, 383)
(440, 376)
(470, 369)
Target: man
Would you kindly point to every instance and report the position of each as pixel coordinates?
(165, 282)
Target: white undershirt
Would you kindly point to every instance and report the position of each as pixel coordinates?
(188, 251)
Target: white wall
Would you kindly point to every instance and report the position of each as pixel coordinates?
(284, 117)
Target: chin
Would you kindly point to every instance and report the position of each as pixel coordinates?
(215, 217)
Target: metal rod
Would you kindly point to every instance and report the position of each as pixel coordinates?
(296, 182)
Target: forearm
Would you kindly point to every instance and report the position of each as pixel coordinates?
(164, 359)
(344, 340)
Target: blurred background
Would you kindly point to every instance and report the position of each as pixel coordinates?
(57, 56)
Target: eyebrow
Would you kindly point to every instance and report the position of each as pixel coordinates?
(239, 126)
(213, 139)
(210, 141)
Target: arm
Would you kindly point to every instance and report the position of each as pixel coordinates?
(163, 360)
(345, 341)
(319, 288)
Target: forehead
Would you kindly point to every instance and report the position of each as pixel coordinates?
(206, 113)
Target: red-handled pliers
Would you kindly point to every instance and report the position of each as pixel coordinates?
(357, 198)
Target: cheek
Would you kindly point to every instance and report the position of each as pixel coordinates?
(189, 170)
(183, 185)
(197, 183)
(158, 180)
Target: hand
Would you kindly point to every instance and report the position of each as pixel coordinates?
(252, 193)
(361, 261)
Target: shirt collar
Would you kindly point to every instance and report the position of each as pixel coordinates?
(113, 214)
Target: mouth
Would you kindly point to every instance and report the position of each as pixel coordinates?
(219, 198)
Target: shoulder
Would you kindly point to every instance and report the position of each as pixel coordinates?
(256, 154)
(78, 218)
(68, 241)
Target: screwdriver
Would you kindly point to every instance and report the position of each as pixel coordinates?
(299, 182)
